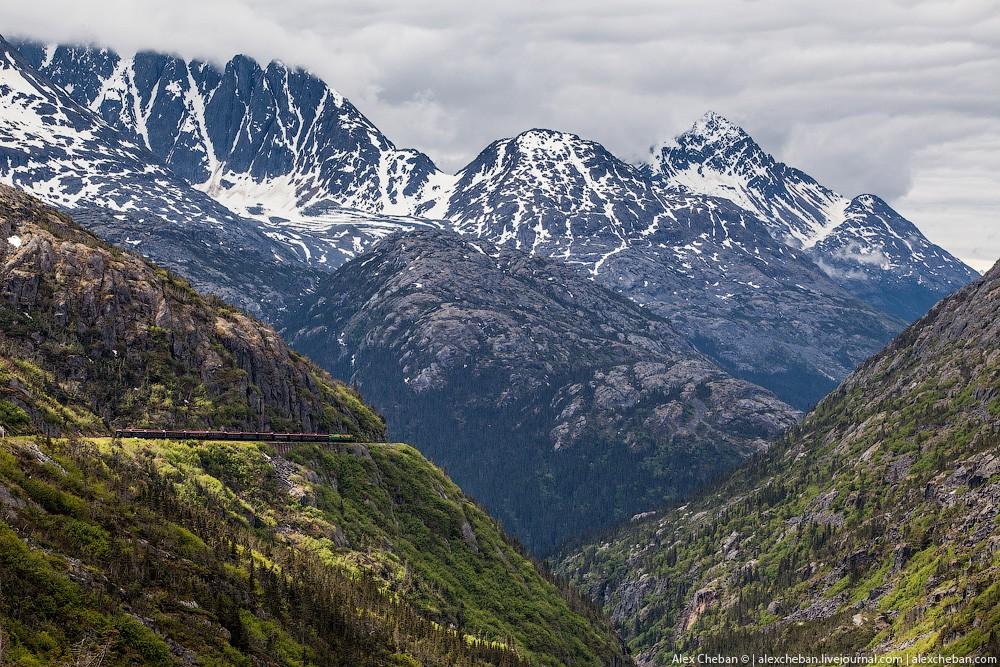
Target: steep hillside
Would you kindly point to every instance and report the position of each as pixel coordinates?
(560, 405)
(161, 553)
(141, 552)
(87, 325)
(862, 243)
(872, 527)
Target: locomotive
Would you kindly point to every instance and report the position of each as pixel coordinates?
(161, 434)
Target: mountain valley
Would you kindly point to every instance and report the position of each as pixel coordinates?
(739, 412)
(531, 385)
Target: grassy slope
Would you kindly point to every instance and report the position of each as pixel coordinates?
(872, 527)
(362, 555)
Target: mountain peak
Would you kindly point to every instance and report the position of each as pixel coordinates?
(545, 141)
(268, 139)
(712, 135)
(713, 129)
(871, 203)
(859, 241)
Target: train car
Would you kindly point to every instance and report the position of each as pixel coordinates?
(256, 436)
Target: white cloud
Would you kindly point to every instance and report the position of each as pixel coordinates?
(892, 97)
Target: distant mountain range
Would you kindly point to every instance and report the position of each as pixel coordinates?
(65, 154)
(274, 144)
(662, 303)
(782, 281)
(862, 243)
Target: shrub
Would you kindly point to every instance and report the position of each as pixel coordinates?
(13, 417)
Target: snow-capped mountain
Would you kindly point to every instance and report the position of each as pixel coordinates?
(862, 243)
(272, 143)
(744, 259)
(277, 144)
(551, 193)
(272, 139)
(65, 154)
(760, 308)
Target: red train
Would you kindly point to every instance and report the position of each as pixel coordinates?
(160, 434)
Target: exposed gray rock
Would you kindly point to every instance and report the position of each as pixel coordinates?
(558, 404)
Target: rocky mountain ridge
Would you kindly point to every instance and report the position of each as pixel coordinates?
(860, 242)
(66, 155)
(313, 183)
(272, 143)
(762, 310)
(101, 329)
(532, 385)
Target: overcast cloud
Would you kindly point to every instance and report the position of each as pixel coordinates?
(897, 98)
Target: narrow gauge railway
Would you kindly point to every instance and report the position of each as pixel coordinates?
(160, 434)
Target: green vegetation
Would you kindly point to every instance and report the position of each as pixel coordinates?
(871, 527)
(33, 400)
(153, 552)
(161, 553)
(101, 337)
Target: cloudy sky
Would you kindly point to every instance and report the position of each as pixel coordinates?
(900, 98)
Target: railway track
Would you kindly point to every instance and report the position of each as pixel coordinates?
(251, 436)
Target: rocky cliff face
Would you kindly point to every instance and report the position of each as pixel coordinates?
(134, 344)
(557, 403)
(872, 527)
(763, 312)
(272, 137)
(289, 175)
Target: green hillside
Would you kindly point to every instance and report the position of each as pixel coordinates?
(158, 553)
(871, 528)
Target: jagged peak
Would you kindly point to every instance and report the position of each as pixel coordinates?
(544, 144)
(711, 130)
(533, 145)
(870, 202)
(240, 61)
(6, 47)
